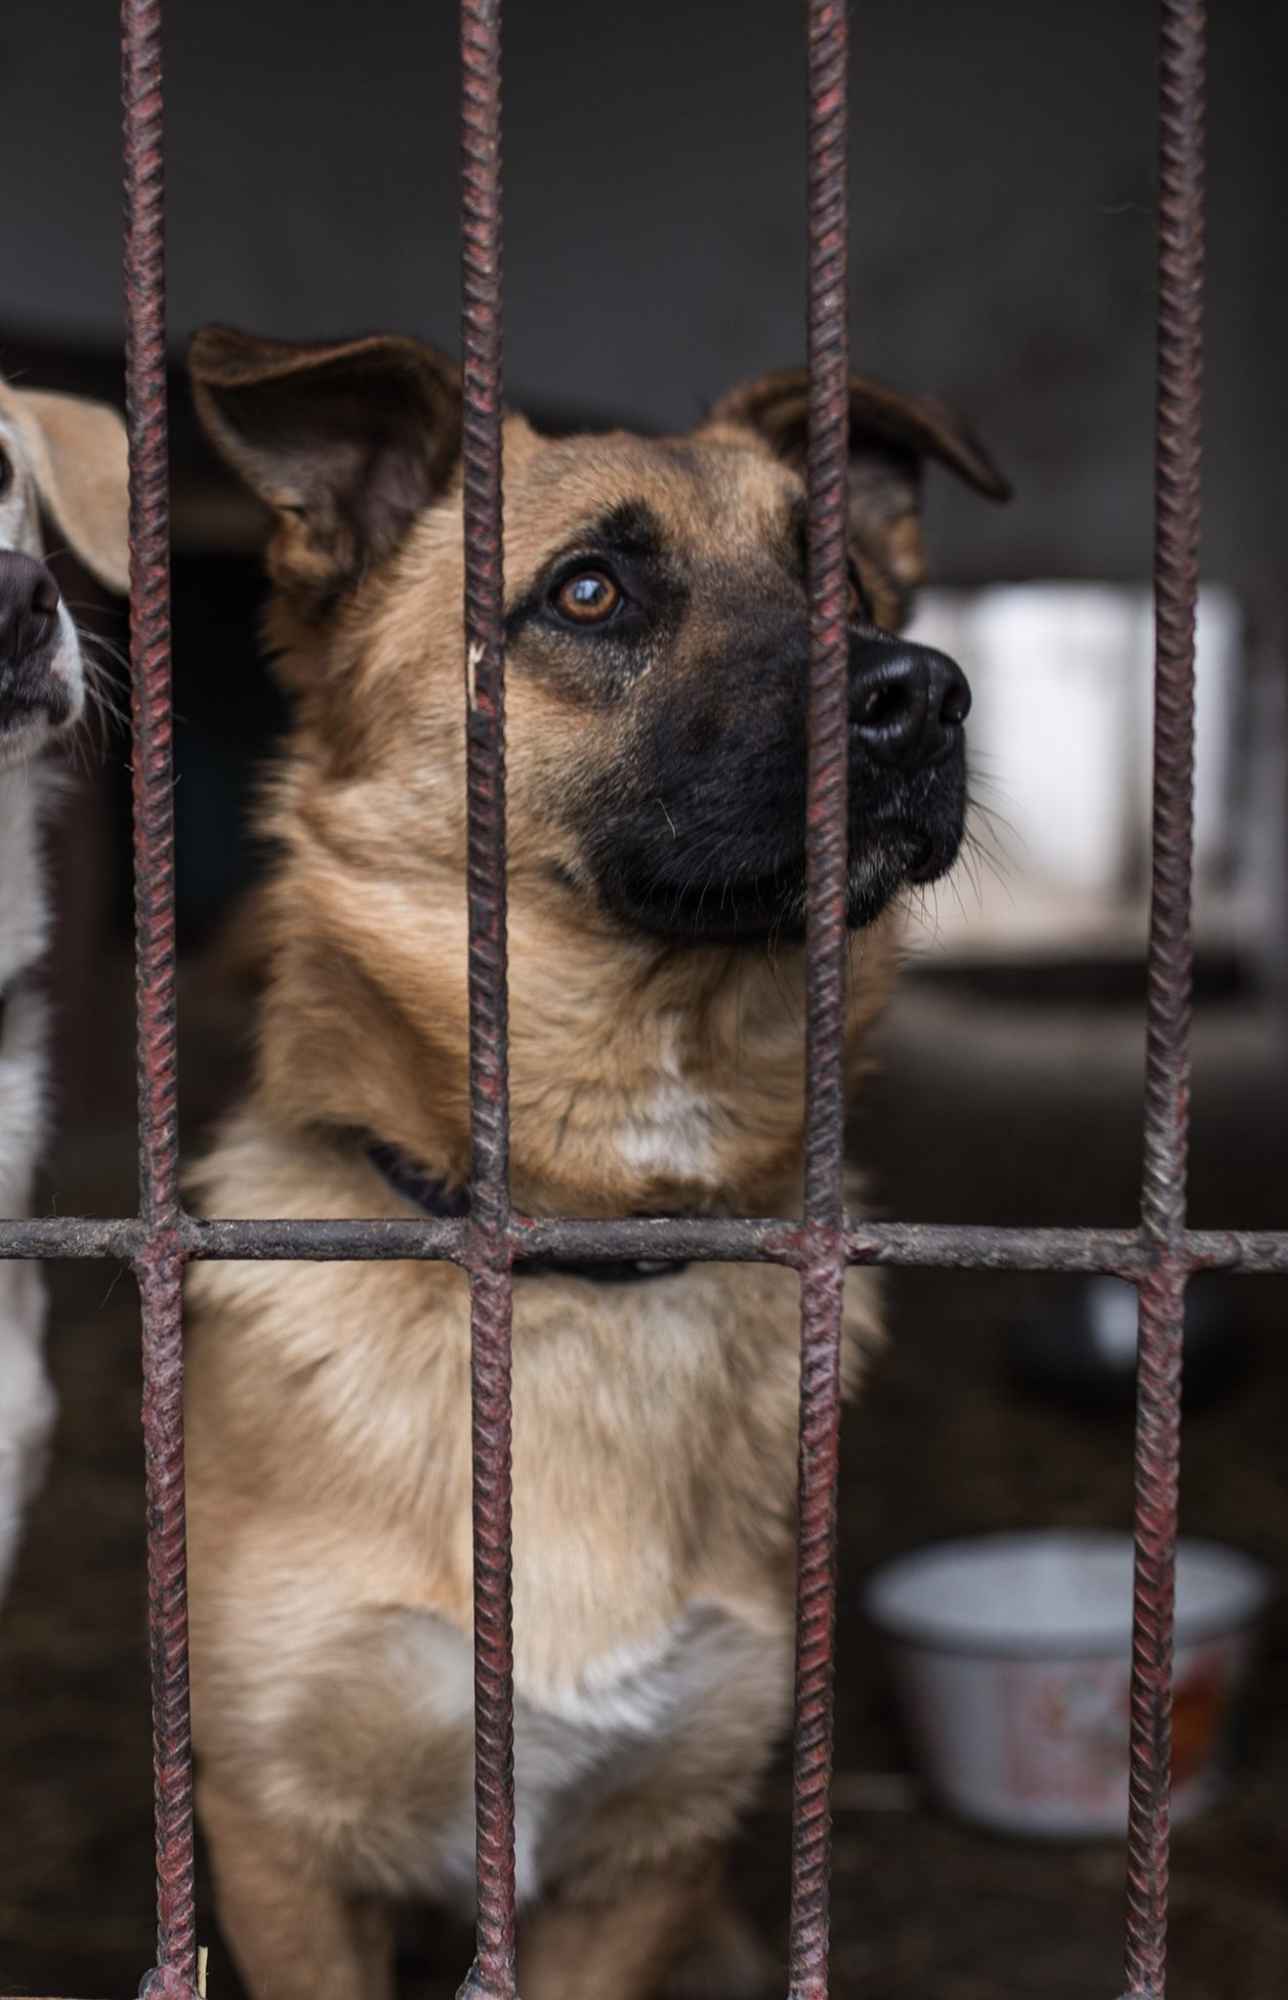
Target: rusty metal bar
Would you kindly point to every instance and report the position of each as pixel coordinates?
(941, 1246)
(158, 1256)
(1167, 1062)
(827, 850)
(487, 1243)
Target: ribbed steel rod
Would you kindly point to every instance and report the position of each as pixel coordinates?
(488, 1236)
(942, 1246)
(827, 847)
(1167, 1074)
(158, 1259)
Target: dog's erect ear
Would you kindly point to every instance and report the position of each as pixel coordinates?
(79, 459)
(345, 442)
(891, 437)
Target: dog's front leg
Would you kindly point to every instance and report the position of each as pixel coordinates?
(294, 1934)
(623, 1948)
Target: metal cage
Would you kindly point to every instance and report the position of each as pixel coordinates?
(1158, 1258)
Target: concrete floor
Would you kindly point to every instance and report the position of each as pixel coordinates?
(981, 1112)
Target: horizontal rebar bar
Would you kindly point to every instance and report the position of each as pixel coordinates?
(942, 1246)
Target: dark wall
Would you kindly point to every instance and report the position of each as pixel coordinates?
(1002, 236)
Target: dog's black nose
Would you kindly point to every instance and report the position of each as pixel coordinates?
(28, 607)
(907, 703)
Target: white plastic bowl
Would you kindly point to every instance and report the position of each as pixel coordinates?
(1012, 1660)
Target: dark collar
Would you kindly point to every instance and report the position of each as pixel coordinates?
(435, 1197)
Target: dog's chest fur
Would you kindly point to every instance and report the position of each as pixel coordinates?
(25, 1396)
(24, 910)
(694, 1710)
(24, 925)
(668, 1127)
(654, 1473)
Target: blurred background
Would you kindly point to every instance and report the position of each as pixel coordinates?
(1002, 257)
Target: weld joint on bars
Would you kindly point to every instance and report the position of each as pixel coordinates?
(1130, 1254)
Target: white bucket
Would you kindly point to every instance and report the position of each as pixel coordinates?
(1061, 723)
(1012, 1659)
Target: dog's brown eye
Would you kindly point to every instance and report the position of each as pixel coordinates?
(588, 598)
(6, 471)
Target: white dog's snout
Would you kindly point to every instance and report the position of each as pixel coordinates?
(42, 679)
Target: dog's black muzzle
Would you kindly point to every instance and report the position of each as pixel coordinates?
(29, 601)
(907, 767)
(704, 837)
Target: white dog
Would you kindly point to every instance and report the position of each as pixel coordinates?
(68, 456)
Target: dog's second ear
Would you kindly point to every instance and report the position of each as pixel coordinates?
(345, 442)
(79, 459)
(891, 437)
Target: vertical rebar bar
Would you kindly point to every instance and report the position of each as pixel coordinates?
(159, 1266)
(1167, 1081)
(823, 1273)
(490, 1275)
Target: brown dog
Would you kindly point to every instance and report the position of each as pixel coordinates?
(657, 658)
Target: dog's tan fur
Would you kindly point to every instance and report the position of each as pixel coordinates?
(654, 1425)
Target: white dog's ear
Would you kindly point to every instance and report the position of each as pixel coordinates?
(79, 459)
